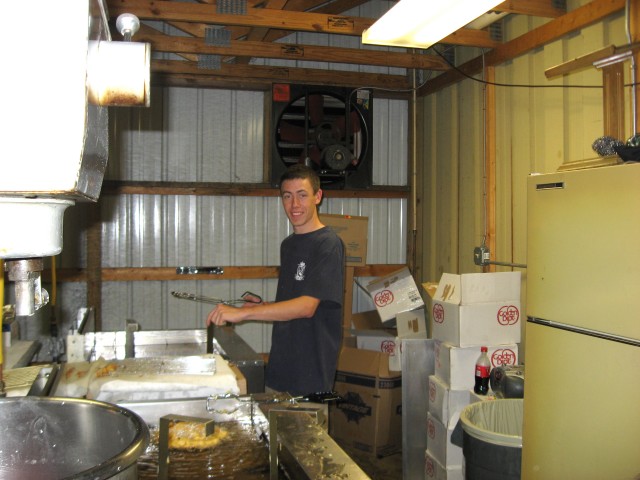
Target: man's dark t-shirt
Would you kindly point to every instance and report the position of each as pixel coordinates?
(304, 351)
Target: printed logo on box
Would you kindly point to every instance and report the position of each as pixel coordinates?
(438, 313)
(383, 298)
(431, 430)
(388, 346)
(503, 356)
(432, 391)
(431, 468)
(354, 407)
(508, 315)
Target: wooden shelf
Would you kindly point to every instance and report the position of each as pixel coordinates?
(169, 273)
(112, 187)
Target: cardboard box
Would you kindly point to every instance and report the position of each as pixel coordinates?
(434, 470)
(370, 417)
(393, 294)
(430, 289)
(477, 309)
(472, 288)
(372, 335)
(439, 444)
(383, 342)
(377, 341)
(455, 366)
(411, 324)
(353, 232)
(367, 321)
(444, 403)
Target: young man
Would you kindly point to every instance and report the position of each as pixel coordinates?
(307, 312)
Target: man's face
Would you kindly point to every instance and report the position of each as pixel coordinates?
(300, 204)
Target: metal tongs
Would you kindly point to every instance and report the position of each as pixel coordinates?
(246, 297)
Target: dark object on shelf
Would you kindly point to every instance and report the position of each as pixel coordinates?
(605, 146)
(634, 141)
(628, 154)
(507, 381)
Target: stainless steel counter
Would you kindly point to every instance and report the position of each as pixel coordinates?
(303, 449)
(154, 343)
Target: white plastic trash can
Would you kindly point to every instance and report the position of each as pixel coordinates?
(492, 439)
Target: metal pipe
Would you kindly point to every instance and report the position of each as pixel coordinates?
(30, 295)
(506, 264)
(414, 163)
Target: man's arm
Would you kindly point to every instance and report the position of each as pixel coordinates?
(300, 307)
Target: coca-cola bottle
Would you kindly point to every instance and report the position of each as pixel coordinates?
(483, 369)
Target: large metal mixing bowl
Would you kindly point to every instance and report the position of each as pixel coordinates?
(69, 438)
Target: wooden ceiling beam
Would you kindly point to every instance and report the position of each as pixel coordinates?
(536, 8)
(317, 6)
(471, 37)
(258, 34)
(255, 17)
(553, 30)
(262, 76)
(272, 19)
(322, 6)
(287, 51)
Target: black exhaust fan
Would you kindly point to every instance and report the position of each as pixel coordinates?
(327, 128)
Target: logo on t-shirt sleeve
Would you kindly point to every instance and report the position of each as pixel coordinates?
(300, 271)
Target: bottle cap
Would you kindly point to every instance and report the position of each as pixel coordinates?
(483, 349)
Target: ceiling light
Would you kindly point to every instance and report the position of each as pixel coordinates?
(422, 23)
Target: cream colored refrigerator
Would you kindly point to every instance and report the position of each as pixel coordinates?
(582, 342)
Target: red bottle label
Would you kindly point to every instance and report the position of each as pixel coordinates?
(482, 371)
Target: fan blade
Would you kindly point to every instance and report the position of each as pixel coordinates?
(291, 133)
(313, 152)
(340, 127)
(315, 108)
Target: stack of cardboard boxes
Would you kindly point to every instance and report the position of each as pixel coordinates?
(369, 377)
(467, 311)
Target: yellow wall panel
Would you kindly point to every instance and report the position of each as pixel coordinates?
(538, 128)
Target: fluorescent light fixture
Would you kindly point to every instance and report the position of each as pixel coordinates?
(422, 23)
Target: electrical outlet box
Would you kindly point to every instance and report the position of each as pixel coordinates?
(481, 255)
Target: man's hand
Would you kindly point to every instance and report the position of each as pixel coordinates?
(223, 314)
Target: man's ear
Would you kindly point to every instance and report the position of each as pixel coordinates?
(318, 196)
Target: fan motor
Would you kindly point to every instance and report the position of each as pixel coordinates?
(336, 156)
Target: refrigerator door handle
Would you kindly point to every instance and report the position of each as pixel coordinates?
(584, 331)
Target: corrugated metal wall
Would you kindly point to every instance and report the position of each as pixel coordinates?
(538, 129)
(207, 135)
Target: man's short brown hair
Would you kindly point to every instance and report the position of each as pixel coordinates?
(301, 171)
